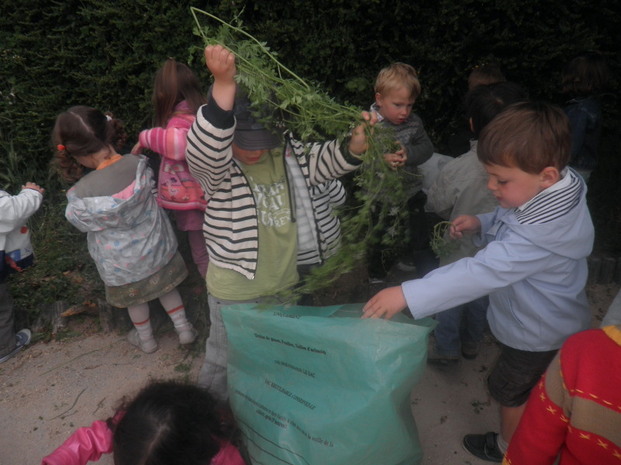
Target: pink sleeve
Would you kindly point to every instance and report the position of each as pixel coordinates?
(228, 455)
(169, 143)
(82, 446)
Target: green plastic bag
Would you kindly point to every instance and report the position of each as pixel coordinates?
(320, 386)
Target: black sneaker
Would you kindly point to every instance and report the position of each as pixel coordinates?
(483, 446)
(470, 349)
(22, 339)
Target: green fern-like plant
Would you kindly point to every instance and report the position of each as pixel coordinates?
(441, 244)
(310, 114)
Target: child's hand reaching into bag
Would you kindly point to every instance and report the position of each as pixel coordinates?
(385, 304)
(397, 159)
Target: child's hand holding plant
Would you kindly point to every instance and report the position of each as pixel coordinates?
(464, 223)
(221, 62)
(397, 157)
(358, 143)
(445, 233)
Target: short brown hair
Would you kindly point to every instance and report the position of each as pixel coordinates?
(528, 135)
(398, 75)
(585, 75)
(485, 75)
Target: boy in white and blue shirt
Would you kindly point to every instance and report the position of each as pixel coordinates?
(533, 265)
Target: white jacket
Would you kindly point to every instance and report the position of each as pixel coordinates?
(14, 212)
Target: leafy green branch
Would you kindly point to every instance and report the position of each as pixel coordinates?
(378, 208)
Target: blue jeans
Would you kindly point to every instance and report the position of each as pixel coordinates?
(462, 323)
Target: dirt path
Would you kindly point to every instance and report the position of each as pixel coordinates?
(52, 388)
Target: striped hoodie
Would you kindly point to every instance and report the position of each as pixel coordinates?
(230, 227)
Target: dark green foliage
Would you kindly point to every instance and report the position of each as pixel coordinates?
(100, 53)
(344, 44)
(104, 53)
(63, 270)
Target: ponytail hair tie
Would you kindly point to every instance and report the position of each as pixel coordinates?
(61, 148)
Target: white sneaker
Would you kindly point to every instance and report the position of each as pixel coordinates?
(22, 339)
(406, 265)
(147, 346)
(187, 334)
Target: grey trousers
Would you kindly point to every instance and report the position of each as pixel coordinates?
(212, 375)
(7, 321)
(613, 315)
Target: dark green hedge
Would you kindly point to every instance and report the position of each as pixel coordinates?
(104, 53)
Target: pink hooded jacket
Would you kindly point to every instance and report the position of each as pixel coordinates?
(177, 189)
(90, 443)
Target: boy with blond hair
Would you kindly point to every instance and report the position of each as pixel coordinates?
(533, 265)
(396, 89)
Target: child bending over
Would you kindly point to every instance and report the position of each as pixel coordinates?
(533, 265)
(15, 253)
(461, 188)
(167, 423)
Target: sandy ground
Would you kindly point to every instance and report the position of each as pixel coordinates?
(52, 388)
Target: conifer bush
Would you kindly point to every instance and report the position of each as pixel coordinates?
(104, 53)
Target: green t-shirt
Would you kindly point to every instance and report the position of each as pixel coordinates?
(276, 266)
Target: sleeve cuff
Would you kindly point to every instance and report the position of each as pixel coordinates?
(219, 118)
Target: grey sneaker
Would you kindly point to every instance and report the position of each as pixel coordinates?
(187, 334)
(436, 358)
(147, 346)
(22, 339)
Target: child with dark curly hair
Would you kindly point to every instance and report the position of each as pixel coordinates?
(167, 423)
(129, 235)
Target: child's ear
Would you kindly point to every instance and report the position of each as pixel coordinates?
(378, 99)
(471, 125)
(549, 176)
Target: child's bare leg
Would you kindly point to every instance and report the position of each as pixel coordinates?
(509, 420)
(175, 309)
